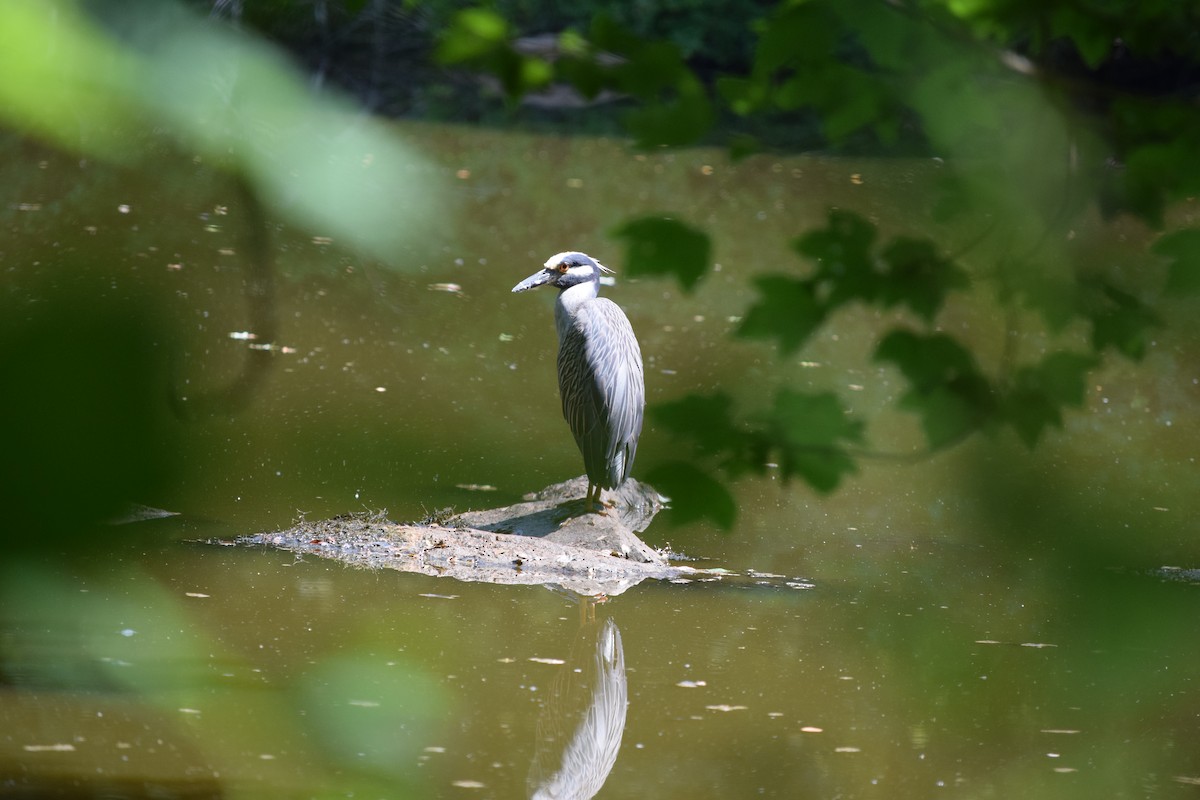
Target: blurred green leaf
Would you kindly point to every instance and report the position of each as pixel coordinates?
(795, 32)
(652, 68)
(952, 196)
(803, 60)
(847, 99)
(572, 43)
(915, 275)
(842, 252)
(66, 81)
(787, 310)
(607, 34)
(1158, 139)
(823, 469)
(661, 246)
(695, 494)
(1182, 249)
(1147, 170)
(1062, 376)
(809, 429)
(927, 361)
(1030, 413)
(674, 108)
(908, 272)
(588, 77)
(946, 415)
(680, 121)
(88, 431)
(1122, 322)
(707, 419)
(1053, 295)
(474, 33)
(373, 713)
(743, 95)
(947, 390)
(226, 99)
(813, 420)
(480, 37)
(864, 102)
(743, 145)
(1038, 394)
(1089, 31)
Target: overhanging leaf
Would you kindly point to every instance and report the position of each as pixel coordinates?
(787, 310)
(1122, 322)
(809, 431)
(946, 415)
(948, 392)
(695, 494)
(927, 361)
(842, 252)
(705, 419)
(1051, 293)
(474, 33)
(657, 246)
(1039, 392)
(1182, 249)
(1062, 376)
(675, 122)
(916, 275)
(812, 420)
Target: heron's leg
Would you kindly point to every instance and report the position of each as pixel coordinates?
(594, 503)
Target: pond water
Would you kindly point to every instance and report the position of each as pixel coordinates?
(988, 622)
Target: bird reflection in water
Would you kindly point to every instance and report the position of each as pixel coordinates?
(579, 729)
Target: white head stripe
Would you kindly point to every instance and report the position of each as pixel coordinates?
(557, 258)
(553, 260)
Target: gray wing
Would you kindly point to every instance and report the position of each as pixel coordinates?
(603, 390)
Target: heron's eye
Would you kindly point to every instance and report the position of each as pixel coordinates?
(562, 267)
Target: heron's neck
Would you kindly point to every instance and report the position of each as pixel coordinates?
(568, 303)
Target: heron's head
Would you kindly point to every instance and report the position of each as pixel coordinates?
(565, 270)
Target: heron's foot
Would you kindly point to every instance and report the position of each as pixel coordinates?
(595, 503)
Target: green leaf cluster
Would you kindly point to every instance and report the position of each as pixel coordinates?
(849, 268)
(810, 436)
(802, 435)
(946, 388)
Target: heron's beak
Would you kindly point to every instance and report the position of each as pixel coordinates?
(536, 279)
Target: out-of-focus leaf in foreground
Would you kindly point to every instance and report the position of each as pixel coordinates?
(1120, 321)
(662, 246)
(947, 390)
(694, 494)
(788, 311)
(1039, 393)
(1182, 248)
(810, 431)
(480, 37)
(219, 96)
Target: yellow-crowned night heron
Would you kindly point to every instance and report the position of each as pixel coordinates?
(599, 369)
